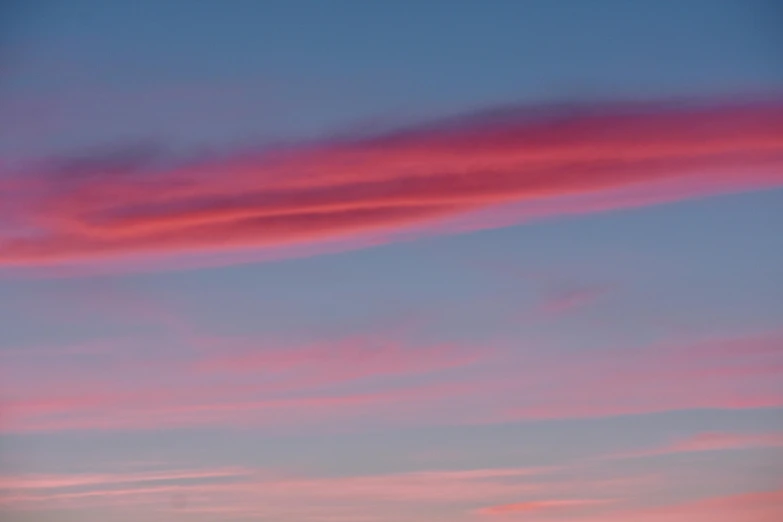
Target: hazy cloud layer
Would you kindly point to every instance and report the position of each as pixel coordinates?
(370, 381)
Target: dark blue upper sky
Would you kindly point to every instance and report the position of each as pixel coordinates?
(209, 73)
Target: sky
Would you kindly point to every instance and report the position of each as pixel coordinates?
(465, 261)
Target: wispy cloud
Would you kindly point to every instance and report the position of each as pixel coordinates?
(718, 373)
(459, 493)
(366, 382)
(540, 505)
(381, 186)
(243, 382)
(760, 506)
(66, 481)
(348, 359)
(710, 441)
(512, 493)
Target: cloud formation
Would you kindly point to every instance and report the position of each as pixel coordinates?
(714, 373)
(246, 385)
(510, 493)
(760, 506)
(235, 382)
(27, 483)
(384, 185)
(711, 441)
(285, 496)
(538, 506)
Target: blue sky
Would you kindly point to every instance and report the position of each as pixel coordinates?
(268, 70)
(632, 353)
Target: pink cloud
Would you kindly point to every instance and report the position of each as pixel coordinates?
(711, 441)
(539, 505)
(734, 373)
(53, 482)
(352, 358)
(411, 496)
(721, 441)
(369, 381)
(426, 486)
(261, 493)
(379, 187)
(210, 404)
(229, 380)
(762, 506)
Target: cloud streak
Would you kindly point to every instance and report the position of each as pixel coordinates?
(538, 506)
(239, 382)
(710, 441)
(760, 506)
(718, 373)
(56, 482)
(284, 496)
(510, 493)
(250, 385)
(402, 182)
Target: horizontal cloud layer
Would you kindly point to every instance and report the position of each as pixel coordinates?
(369, 382)
(379, 186)
(761, 506)
(537, 506)
(513, 493)
(711, 442)
(253, 493)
